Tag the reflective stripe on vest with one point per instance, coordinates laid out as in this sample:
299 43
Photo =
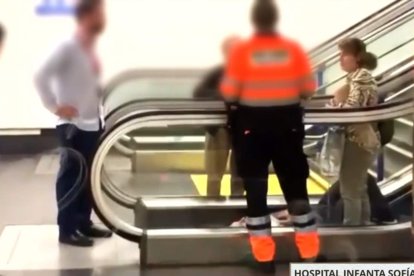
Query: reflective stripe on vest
259 226
264 93
304 223
230 88
269 103
308 81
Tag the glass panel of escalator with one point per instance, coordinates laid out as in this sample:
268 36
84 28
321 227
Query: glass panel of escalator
170 162
165 84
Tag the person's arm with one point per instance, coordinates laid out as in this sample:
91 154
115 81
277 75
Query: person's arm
208 87
231 83
340 96
48 70
306 79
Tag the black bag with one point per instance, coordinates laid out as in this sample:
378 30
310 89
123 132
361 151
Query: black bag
386 131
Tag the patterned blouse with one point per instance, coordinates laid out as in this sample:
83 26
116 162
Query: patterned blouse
363 92
362 89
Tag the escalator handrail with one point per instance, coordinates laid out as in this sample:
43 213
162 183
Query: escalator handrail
395 109
386 75
384 79
376 18
131 74
140 120
323 64
389 78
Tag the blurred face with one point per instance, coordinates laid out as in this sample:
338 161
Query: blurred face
229 44
349 62
96 20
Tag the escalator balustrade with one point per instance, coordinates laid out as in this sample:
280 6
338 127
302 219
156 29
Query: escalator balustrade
157 202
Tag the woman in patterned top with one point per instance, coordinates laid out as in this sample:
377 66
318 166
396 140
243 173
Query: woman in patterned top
362 140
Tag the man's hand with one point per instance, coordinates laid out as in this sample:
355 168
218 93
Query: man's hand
66 112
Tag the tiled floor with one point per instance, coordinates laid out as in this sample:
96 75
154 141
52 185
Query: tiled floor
28 243
36 248
33 250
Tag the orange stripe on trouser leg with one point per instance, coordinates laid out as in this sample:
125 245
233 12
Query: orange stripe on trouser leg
308 244
263 248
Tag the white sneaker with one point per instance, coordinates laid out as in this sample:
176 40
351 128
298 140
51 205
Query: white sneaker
239 223
275 222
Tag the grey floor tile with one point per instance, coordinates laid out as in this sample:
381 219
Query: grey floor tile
36 248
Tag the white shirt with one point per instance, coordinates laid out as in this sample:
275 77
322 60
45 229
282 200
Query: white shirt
67 77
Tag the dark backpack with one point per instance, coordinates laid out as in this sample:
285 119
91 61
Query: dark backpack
386 131
385 128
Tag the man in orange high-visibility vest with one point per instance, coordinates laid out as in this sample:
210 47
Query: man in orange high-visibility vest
266 78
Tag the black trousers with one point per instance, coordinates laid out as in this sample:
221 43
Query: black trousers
264 136
73 183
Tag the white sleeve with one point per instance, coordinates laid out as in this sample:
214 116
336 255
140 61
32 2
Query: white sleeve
49 69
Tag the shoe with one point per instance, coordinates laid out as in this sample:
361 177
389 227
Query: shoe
385 221
275 221
76 240
240 223
95 231
389 222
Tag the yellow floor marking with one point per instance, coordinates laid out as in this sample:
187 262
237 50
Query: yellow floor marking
316 185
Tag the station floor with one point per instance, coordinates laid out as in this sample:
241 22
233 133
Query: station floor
28 239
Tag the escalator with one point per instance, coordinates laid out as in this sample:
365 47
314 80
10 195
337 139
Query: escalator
395 84
163 223
148 177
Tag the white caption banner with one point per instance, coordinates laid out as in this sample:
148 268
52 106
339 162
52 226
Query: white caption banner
350 269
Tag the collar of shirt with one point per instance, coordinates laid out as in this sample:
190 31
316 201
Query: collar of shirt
352 75
266 34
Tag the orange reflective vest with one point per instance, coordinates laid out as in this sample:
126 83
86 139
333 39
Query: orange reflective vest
267 70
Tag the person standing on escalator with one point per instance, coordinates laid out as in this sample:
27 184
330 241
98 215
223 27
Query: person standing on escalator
266 78
218 142
68 85
362 140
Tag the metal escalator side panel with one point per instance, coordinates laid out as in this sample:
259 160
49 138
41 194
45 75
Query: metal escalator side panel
338 244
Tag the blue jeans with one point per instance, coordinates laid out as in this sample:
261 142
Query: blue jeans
73 183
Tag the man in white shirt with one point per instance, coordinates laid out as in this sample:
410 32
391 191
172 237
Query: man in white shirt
68 85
